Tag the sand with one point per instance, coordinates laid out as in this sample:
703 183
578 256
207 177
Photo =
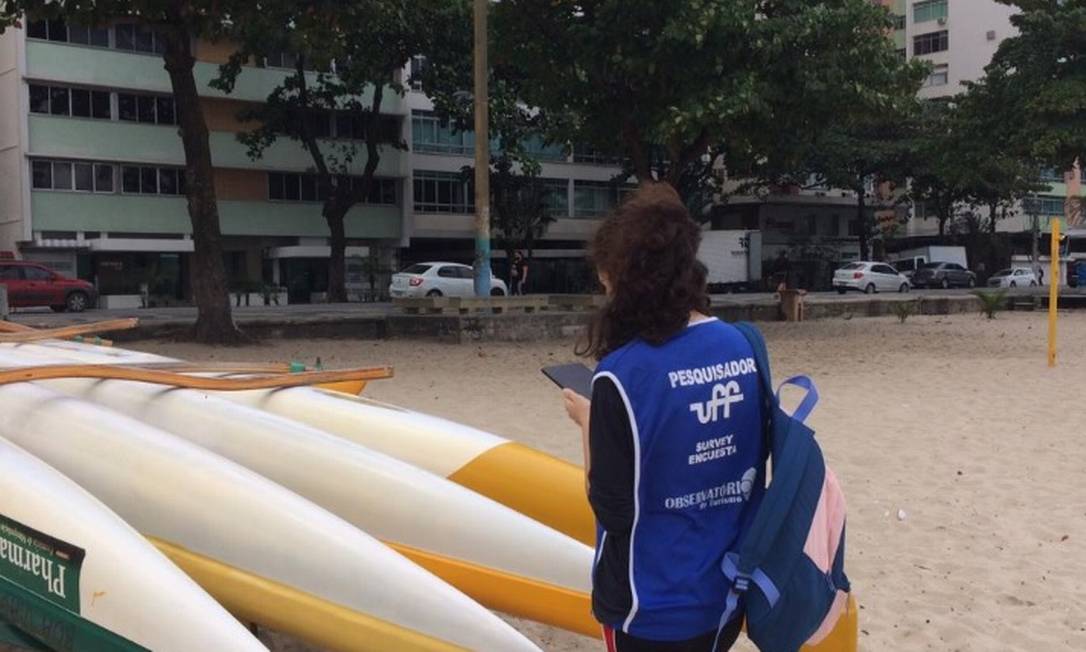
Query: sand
955 422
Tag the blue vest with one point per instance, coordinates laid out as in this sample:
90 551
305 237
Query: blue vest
695 411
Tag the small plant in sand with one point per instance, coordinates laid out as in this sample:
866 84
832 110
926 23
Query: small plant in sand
991 302
904 309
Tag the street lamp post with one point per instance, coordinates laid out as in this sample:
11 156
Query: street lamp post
482 155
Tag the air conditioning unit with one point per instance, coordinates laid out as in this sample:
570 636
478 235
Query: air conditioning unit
942 21
991 35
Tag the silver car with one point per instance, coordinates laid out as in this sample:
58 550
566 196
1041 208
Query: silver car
440 280
869 278
1012 278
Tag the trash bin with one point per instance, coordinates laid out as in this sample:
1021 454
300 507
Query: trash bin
792 304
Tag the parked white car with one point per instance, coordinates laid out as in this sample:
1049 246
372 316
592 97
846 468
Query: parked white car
869 277
1012 278
440 280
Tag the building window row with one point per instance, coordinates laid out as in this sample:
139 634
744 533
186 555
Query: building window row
86 103
1043 205
87 176
430 134
65 101
285 186
929 43
133 37
899 21
929 10
347 125
443 192
596 198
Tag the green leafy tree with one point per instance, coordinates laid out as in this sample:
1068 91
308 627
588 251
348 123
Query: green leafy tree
1040 78
178 23
668 85
347 58
518 201
996 177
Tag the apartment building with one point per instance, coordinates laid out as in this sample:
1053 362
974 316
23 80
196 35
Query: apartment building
959 38
92 179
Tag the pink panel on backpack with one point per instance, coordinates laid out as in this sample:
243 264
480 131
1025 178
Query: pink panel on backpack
827 525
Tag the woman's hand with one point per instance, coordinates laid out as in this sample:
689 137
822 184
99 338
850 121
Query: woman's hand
577 407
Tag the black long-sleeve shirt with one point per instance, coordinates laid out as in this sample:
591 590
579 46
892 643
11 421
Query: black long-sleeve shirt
611 495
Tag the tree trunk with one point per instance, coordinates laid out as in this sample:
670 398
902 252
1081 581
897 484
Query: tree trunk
334 215
992 209
214 322
861 221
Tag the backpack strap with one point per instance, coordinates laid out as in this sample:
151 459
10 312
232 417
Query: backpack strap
807 405
761 354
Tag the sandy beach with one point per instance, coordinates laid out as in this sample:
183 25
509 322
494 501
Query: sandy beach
962 457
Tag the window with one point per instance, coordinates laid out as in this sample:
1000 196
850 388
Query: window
448 272
939 76
42 174
535 146
928 43
96 36
10 273
431 135
587 154
594 198
137 38
148 109
1043 205
100 105
902 54
149 180
39 98
37 29
899 21
81 102
442 192
62 175
84 176
31 273
387 127
415 69
58 30
103 177
281 60
1051 174
556 199
306 187
928 10
58 101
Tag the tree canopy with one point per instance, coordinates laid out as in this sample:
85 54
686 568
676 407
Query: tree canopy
1040 76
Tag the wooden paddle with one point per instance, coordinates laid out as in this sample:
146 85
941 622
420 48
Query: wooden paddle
27 334
174 379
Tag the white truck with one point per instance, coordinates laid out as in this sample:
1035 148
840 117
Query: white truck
910 260
733 258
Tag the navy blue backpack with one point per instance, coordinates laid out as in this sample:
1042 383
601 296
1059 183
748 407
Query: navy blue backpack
787 573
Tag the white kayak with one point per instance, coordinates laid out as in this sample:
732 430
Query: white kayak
73 575
546 488
500 557
267 554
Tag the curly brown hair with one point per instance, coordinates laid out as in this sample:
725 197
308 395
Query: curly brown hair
647 248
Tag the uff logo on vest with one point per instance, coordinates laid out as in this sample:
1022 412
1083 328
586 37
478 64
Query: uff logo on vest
724 395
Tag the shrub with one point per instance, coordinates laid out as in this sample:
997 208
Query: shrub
991 302
904 309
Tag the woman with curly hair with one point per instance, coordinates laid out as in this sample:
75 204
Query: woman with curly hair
673 434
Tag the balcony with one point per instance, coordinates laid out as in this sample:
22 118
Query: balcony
61 62
106 140
81 211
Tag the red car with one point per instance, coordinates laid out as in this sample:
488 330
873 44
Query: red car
30 284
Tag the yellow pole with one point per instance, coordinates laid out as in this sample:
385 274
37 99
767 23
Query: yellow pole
1053 291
